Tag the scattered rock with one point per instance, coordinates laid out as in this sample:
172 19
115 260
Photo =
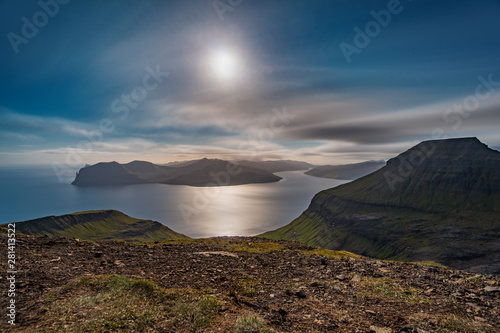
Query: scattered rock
490 289
356 279
338 294
375 329
220 253
301 293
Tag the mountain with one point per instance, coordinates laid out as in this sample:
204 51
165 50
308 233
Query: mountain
98 225
438 201
111 173
346 171
218 172
204 172
276 166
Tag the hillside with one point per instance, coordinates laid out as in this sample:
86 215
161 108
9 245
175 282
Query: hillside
346 171
98 225
201 174
276 166
239 285
204 172
437 201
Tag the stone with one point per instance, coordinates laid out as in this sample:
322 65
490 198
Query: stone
301 293
376 329
356 279
491 289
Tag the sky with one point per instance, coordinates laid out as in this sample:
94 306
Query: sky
323 81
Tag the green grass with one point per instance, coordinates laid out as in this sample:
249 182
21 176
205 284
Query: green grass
454 323
198 314
247 286
116 302
98 225
388 288
251 324
331 253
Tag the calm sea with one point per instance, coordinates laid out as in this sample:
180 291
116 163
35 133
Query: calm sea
244 210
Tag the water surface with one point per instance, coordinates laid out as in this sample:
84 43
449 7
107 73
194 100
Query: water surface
243 210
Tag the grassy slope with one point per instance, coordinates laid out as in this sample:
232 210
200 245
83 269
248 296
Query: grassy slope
98 225
427 217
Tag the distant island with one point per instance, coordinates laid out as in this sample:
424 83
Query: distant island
204 172
346 171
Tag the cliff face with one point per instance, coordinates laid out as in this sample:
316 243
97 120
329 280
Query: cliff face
111 173
438 201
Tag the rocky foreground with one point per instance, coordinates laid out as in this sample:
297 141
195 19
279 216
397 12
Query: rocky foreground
238 285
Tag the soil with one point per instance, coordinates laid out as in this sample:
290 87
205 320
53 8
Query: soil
292 291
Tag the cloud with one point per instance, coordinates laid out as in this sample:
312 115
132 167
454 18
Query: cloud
41 124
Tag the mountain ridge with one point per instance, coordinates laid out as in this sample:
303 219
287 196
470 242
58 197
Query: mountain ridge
98 225
204 172
441 207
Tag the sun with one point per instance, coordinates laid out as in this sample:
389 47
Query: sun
225 65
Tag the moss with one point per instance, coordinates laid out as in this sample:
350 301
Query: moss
388 288
247 286
111 302
251 324
331 253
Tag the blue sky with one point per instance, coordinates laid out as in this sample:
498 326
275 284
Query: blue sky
178 80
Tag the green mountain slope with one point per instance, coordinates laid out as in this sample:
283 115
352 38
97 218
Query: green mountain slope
438 201
98 225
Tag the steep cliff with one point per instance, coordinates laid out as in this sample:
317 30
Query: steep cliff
439 201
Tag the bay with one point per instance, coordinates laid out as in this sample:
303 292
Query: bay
243 210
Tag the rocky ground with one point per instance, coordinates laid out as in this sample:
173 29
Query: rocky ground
291 286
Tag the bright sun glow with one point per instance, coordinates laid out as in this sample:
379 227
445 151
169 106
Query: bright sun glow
225 65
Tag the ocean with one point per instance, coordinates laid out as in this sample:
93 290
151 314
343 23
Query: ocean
243 210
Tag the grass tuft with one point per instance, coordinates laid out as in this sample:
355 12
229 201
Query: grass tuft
116 302
251 324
